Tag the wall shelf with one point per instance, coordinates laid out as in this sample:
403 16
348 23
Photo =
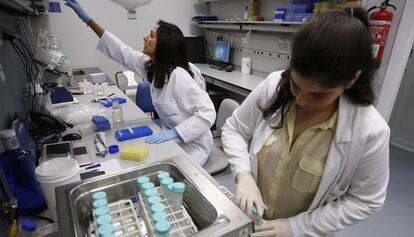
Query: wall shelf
20 7
269 26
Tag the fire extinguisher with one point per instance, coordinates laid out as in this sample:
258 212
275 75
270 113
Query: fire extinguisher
380 24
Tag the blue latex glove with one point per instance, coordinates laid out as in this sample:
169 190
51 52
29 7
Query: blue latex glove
78 10
162 136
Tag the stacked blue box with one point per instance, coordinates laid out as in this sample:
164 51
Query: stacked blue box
101 123
136 132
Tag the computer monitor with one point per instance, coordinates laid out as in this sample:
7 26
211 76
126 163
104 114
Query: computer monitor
222 51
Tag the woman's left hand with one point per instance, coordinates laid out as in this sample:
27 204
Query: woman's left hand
278 228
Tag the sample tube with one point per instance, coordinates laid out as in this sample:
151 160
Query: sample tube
163 175
162 228
142 180
103 220
176 195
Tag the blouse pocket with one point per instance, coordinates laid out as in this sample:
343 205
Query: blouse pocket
308 175
170 114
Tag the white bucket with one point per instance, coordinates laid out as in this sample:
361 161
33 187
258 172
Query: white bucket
54 173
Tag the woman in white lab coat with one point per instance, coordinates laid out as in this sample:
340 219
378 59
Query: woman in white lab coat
184 108
307 147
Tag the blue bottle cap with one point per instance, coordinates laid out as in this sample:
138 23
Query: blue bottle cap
153 200
98 195
29 225
99 203
106 229
170 187
163 227
101 211
113 149
148 185
178 187
163 175
102 220
165 182
150 192
159 216
157 207
142 180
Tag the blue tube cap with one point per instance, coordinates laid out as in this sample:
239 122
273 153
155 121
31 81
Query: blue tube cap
163 175
178 187
159 216
99 203
153 200
106 229
162 227
101 211
150 192
29 225
113 149
165 182
98 195
157 207
148 185
104 219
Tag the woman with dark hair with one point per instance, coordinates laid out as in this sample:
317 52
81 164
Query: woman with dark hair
307 147
184 107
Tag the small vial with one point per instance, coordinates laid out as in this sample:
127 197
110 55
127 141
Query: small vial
98 195
103 220
99 203
162 228
101 211
159 216
163 175
116 111
164 184
176 195
142 180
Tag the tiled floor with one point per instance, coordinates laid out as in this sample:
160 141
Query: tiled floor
397 217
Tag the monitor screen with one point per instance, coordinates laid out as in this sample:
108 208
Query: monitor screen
222 51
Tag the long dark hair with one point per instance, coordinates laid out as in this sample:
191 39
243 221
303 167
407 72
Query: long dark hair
331 49
170 52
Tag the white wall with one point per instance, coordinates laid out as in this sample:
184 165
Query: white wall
79 42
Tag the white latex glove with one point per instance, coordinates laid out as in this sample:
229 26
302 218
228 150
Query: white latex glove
275 228
248 194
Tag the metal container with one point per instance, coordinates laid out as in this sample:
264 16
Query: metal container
212 211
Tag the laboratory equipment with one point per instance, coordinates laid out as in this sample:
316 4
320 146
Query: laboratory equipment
101 211
131 133
103 220
162 176
159 216
99 195
142 180
206 210
163 228
18 167
165 184
99 203
147 186
113 149
117 115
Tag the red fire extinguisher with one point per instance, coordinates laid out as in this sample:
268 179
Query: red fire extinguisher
380 24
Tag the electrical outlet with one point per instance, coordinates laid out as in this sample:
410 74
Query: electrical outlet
244 40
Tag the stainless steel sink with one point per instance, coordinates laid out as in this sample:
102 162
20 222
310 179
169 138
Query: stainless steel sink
77 72
212 211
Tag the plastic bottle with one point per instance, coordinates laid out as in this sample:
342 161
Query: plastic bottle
27 228
142 180
116 111
246 13
164 186
176 195
98 195
18 167
163 175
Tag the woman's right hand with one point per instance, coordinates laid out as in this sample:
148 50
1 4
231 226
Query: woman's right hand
248 194
78 10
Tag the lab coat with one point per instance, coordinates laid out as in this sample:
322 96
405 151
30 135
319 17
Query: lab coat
181 103
355 178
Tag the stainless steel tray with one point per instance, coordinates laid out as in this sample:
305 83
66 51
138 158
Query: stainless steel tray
212 211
